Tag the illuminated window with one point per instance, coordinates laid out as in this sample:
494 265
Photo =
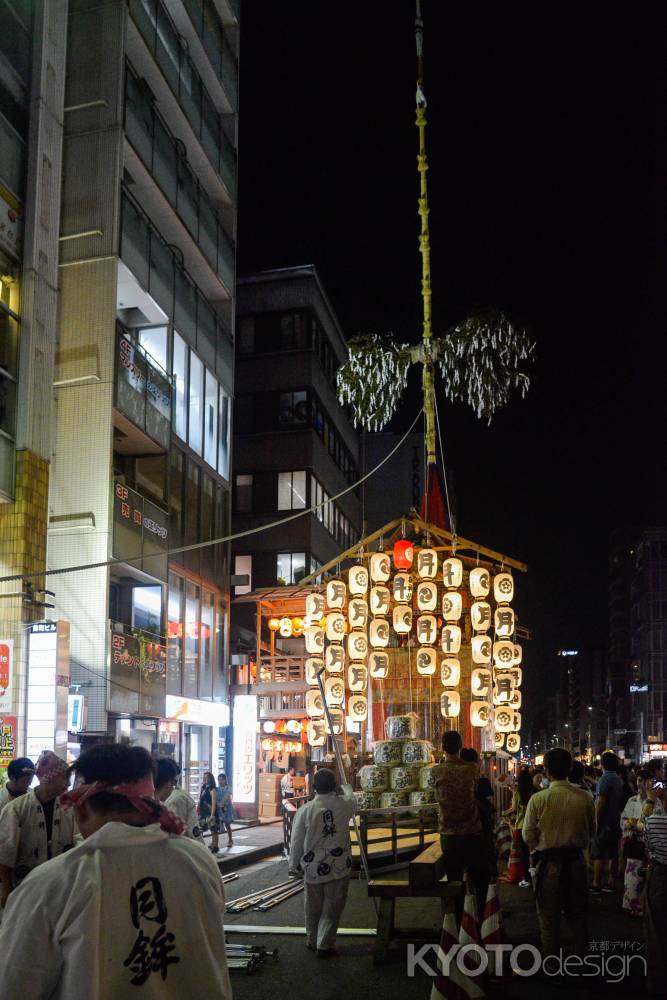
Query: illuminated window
291 490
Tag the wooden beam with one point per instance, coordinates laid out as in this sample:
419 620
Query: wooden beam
361 544
465 543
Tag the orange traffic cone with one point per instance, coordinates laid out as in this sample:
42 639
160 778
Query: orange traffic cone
516 869
454 985
493 931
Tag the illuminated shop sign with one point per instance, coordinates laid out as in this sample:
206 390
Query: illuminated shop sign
245 751
202 713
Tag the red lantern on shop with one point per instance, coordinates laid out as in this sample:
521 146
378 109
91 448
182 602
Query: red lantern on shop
403 554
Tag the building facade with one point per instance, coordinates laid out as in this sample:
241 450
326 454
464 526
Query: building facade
648 675
295 446
143 378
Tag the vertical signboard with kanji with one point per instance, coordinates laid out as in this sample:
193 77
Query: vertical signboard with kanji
7 739
6 674
244 725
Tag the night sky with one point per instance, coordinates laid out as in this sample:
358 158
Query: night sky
543 188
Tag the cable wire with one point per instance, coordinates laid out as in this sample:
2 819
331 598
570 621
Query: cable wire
215 541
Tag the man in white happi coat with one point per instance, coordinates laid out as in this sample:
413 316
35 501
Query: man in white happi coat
176 799
135 910
34 827
20 773
321 847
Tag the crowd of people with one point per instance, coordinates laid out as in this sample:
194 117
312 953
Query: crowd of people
575 831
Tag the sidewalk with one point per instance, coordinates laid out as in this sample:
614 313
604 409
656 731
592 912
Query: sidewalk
353 974
251 844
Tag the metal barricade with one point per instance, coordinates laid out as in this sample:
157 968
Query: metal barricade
289 810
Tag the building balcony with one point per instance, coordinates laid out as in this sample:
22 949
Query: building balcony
159 55
208 42
142 401
140 533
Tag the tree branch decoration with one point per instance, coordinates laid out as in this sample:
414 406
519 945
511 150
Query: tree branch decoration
480 360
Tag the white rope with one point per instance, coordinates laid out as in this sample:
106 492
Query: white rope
214 541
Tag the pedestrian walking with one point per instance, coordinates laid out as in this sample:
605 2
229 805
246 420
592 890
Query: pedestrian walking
322 849
20 773
523 792
461 831
34 827
207 810
655 897
633 846
557 827
225 807
604 849
175 799
130 911
287 784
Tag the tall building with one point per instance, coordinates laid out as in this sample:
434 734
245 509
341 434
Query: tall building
622 552
648 680
581 702
295 445
32 86
143 380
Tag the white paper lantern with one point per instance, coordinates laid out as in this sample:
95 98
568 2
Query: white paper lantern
503 653
314 639
450 671
357 580
480 713
504 622
517 674
503 689
503 588
427 564
357 677
314 703
334 658
518 654
427 630
357 612
502 719
450 704
450 639
480 581
513 743
499 740
378 665
336 626
357 707
380 600
402 618
452 605
402 588
427 660
336 594
481 648
357 646
515 700
334 690
516 722
480 616
312 667
316 733
427 596
452 572
337 721
380 567
285 627
315 606
379 633
480 682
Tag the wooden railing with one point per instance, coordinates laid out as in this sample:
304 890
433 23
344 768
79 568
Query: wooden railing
280 669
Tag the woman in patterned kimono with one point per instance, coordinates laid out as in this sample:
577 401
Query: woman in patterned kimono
633 846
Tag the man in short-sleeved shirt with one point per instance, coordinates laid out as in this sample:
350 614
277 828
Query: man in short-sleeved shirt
608 805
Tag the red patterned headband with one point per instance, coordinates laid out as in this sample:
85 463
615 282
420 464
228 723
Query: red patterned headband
139 794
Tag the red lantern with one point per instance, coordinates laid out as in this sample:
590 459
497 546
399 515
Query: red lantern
403 554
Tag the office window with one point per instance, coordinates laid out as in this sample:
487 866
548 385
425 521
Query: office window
191 650
293 409
175 634
147 609
243 494
180 369
196 403
207 644
224 430
211 420
153 339
291 490
243 567
290 567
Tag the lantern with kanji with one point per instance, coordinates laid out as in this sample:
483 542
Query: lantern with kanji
480 616
334 658
357 580
503 621
314 703
427 564
480 713
379 633
357 707
403 554
452 572
334 690
427 630
285 627
513 743
450 639
450 671
450 704
315 732
502 719
481 648
503 588
380 600
480 682
452 605
402 588
503 688
337 722
402 618
357 613
357 677
378 664
480 582
427 595
380 567
336 594
336 626
503 653
499 740
312 668
314 640
357 646
315 606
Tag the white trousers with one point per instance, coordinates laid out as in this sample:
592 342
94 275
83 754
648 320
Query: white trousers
324 903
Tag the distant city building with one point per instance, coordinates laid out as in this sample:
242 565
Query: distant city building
622 554
647 679
580 706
